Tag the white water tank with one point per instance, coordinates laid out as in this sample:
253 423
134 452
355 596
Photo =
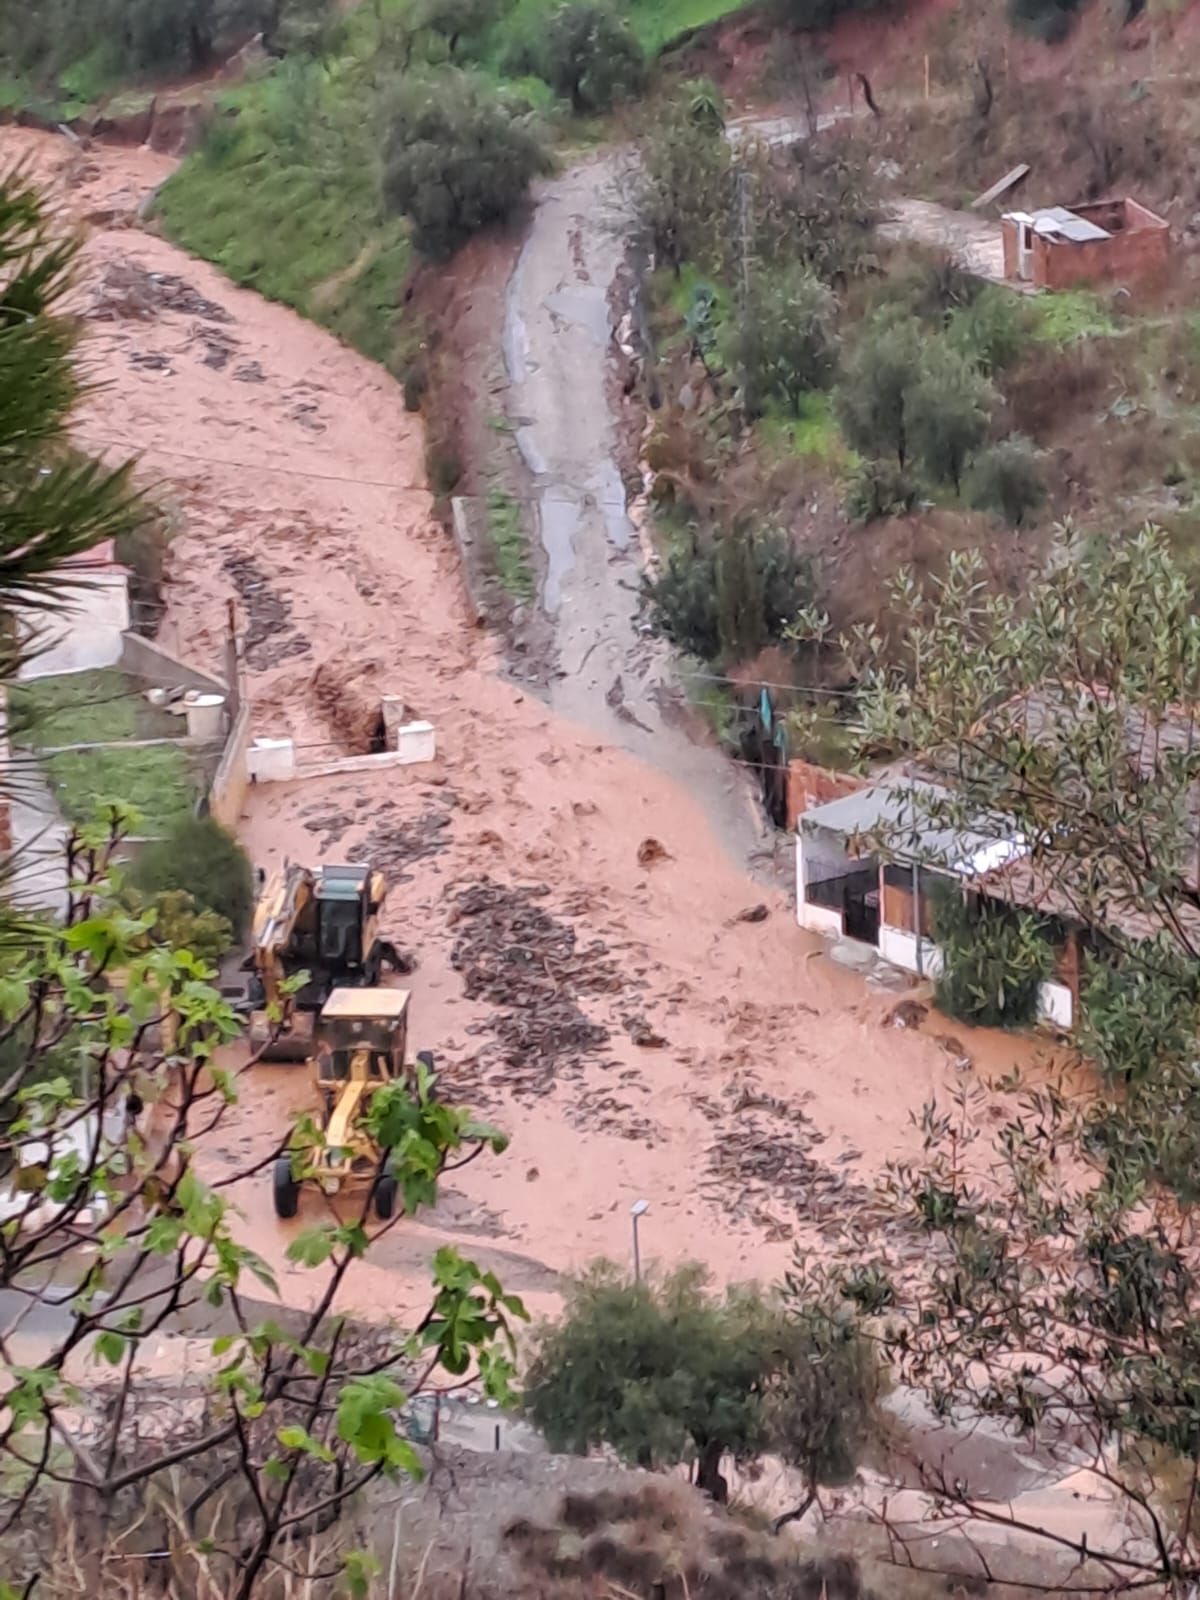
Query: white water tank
205 715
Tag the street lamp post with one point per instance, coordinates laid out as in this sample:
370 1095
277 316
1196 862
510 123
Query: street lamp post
637 1211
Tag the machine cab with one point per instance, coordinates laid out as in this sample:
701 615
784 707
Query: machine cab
361 1033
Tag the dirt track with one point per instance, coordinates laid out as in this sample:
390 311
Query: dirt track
298 487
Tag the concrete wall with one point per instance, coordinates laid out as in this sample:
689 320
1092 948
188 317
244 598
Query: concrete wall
818 919
1009 234
1056 1006
88 633
232 777
899 946
143 659
1133 253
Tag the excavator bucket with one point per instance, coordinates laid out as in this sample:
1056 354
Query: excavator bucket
292 1043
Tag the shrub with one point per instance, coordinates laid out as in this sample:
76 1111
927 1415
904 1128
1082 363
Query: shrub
682 602
879 489
591 57
785 342
996 959
731 597
200 858
455 20
143 551
1006 478
1138 1017
704 104
813 204
991 329
455 161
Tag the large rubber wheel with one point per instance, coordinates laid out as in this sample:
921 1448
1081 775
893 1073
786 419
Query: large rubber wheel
385 1195
287 1190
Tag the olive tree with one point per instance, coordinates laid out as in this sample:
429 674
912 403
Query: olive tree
664 1371
591 56
682 188
785 340
456 160
1067 715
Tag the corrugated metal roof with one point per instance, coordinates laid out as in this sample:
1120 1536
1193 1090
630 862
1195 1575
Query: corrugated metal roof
905 816
1057 220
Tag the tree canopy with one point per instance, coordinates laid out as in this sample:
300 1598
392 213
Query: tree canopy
456 159
591 56
664 1371
54 503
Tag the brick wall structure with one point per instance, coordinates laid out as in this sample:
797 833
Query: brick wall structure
810 785
1139 245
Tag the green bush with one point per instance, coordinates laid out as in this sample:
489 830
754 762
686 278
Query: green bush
456 20
591 57
991 329
1138 1017
1007 478
682 192
785 340
879 489
995 961
143 551
205 862
875 383
730 597
134 37
456 160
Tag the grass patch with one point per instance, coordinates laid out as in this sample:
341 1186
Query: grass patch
285 200
510 546
714 701
157 782
99 707
655 22
1073 314
811 432
106 707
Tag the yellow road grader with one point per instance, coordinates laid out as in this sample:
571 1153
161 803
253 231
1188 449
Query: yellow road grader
359 1045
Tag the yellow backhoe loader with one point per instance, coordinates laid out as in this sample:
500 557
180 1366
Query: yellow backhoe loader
359 1045
322 921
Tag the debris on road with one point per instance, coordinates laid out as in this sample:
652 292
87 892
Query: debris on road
268 639
128 293
514 953
651 851
396 844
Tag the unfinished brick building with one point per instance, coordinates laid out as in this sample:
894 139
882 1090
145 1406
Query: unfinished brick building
1056 247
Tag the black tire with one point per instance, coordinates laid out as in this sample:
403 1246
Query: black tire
385 1195
425 1057
287 1190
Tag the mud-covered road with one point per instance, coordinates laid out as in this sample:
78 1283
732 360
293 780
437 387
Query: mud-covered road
559 334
